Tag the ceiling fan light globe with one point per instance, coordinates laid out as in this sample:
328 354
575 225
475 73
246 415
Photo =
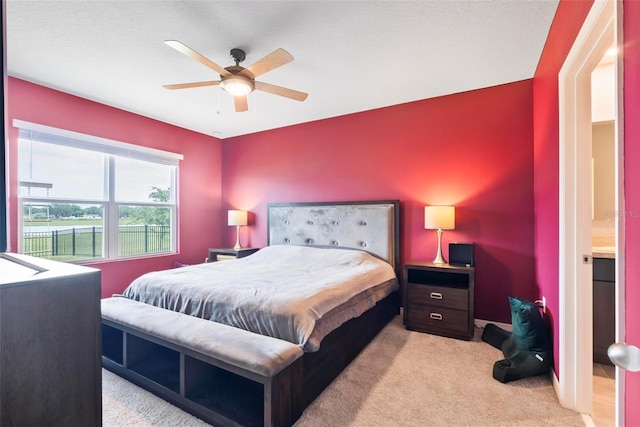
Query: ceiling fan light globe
237 85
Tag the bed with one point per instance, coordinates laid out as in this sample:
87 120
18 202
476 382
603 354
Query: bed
305 351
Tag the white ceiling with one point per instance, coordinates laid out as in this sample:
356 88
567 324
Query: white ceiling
350 56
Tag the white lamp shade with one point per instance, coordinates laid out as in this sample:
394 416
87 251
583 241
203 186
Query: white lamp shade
237 217
439 217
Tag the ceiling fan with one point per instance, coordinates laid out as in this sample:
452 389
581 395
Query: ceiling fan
237 80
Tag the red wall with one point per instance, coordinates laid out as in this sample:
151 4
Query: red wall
566 25
199 172
472 150
632 197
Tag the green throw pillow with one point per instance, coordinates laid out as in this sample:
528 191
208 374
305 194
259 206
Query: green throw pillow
529 331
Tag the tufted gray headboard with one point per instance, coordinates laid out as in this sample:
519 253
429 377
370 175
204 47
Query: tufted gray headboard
372 226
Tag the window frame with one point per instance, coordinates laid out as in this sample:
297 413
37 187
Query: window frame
111 207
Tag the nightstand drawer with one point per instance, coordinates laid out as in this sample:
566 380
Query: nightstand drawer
439 296
429 318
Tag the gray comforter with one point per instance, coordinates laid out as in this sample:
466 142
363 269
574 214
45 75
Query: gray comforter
281 291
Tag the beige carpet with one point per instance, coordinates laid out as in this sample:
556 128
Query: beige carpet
401 379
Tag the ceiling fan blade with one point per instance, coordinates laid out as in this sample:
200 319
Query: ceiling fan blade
190 85
281 91
182 48
273 60
241 103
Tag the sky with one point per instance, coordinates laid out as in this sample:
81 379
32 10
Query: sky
80 174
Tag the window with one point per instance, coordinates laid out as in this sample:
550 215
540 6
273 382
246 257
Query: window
83 197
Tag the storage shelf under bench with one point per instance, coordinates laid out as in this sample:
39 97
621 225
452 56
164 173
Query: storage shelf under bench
217 395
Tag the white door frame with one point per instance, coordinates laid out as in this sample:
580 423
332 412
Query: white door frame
598 33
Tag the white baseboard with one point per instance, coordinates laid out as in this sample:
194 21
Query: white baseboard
482 323
555 382
586 418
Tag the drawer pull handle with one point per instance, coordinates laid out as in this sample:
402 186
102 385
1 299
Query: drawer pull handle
435 295
435 316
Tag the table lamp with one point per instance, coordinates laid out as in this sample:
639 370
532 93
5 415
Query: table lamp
439 218
237 218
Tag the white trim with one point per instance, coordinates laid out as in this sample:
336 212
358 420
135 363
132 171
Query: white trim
21 124
575 369
620 297
586 418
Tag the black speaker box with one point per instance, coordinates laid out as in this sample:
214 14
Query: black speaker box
461 254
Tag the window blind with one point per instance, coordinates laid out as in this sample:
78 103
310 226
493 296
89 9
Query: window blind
51 135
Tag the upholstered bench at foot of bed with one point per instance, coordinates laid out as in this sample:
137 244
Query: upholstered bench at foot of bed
194 353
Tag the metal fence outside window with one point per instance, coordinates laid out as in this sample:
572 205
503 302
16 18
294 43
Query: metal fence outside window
86 242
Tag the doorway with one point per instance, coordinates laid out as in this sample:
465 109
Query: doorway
575 383
603 236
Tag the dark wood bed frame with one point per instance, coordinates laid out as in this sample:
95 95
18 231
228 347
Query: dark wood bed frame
341 346
319 368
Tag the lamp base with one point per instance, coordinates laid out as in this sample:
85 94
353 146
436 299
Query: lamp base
237 247
439 259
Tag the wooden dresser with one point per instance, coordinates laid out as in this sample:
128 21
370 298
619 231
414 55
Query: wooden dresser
50 343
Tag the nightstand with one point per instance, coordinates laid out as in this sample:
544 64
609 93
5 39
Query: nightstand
228 253
438 299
